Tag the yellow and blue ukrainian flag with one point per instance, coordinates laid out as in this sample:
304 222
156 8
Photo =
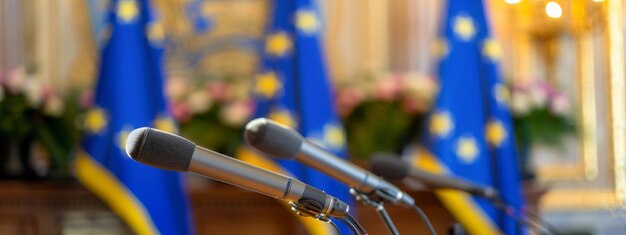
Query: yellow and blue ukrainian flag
470 130
292 88
129 94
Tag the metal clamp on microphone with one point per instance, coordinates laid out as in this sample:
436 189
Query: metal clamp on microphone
171 152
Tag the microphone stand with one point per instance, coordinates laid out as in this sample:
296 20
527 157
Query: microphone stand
380 208
311 209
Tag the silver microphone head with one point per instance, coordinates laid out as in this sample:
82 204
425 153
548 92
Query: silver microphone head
160 149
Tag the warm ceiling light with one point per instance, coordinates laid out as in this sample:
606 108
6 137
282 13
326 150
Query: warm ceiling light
512 1
554 10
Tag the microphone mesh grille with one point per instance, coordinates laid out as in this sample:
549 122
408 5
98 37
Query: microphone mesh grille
273 139
161 149
389 166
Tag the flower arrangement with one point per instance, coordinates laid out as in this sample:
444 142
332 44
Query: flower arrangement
211 112
384 113
541 113
38 131
541 116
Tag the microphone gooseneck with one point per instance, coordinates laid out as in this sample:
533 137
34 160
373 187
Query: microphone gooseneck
171 152
277 141
390 166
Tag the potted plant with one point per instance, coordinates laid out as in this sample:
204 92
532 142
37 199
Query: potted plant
384 113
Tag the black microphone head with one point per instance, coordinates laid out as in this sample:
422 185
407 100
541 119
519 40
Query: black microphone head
273 139
389 166
160 149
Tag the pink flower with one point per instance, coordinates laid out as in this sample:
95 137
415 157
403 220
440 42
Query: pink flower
544 86
86 99
180 111
217 90
413 105
347 99
47 91
559 104
388 88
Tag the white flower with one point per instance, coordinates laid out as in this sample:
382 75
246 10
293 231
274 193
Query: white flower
538 96
521 103
34 92
177 88
54 106
199 101
420 86
236 113
16 80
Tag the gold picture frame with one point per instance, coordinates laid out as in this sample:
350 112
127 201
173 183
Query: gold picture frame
577 185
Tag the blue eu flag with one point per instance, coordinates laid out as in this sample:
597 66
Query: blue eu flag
293 89
470 129
129 95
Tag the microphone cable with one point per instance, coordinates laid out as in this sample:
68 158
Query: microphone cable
354 225
425 219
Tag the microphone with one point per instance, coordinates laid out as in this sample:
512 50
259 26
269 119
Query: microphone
391 167
171 152
278 141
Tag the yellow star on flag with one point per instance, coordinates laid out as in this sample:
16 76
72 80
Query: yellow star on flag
495 133
267 84
501 93
165 123
278 44
334 136
441 124
127 10
464 27
467 149
95 120
156 33
492 49
282 117
307 22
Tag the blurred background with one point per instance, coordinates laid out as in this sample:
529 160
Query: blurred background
561 61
